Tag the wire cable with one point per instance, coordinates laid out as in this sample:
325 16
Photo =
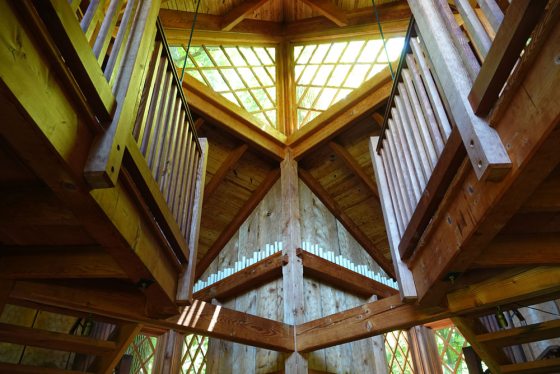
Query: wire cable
383 38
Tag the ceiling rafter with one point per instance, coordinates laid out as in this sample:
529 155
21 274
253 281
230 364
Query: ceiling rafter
237 221
239 13
346 221
353 165
329 10
224 169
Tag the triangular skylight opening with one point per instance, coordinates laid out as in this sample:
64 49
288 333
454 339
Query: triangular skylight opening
326 73
245 75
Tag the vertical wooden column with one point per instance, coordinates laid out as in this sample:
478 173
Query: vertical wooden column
423 346
285 83
292 272
168 359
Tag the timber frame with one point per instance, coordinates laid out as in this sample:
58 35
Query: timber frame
118 173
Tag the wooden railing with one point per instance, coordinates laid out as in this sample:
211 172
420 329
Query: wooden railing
429 122
119 64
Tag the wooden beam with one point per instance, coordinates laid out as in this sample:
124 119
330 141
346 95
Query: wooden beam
358 105
225 167
237 221
342 278
391 313
329 10
239 13
58 263
346 221
54 340
354 167
520 20
200 318
229 117
460 230
520 250
244 280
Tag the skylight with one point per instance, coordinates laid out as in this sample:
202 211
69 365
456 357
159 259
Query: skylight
246 76
326 73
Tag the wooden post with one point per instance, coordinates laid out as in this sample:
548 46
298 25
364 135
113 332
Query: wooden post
292 272
424 350
168 359
484 146
285 83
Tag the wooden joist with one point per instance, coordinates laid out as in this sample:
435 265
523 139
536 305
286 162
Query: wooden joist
239 13
237 221
342 278
346 221
329 10
244 280
224 168
353 165
58 263
54 340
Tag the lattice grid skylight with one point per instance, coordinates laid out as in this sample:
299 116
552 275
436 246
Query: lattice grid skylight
326 73
244 75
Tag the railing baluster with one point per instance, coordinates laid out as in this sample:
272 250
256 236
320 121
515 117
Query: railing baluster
397 196
459 39
478 34
403 182
408 119
106 32
119 46
433 93
425 105
493 13
176 157
177 201
163 134
420 119
158 120
192 192
187 190
90 17
155 74
169 148
403 141
414 151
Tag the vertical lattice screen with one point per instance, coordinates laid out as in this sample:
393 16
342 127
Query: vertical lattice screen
246 76
143 350
450 345
193 359
399 357
326 73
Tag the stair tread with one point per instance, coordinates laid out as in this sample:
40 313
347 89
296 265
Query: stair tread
523 334
28 369
54 340
539 366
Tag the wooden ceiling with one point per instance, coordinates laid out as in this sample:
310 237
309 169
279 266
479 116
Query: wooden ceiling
272 10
